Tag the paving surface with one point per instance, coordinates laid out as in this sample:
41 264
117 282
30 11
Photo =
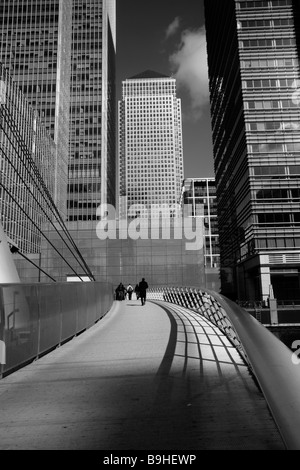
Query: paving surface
142 378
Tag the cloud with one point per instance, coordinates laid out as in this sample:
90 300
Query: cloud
189 67
173 27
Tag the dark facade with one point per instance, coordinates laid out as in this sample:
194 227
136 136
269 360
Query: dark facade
253 59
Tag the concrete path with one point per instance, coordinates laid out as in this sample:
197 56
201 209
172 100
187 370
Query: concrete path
142 378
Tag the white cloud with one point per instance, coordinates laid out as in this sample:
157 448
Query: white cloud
189 66
173 27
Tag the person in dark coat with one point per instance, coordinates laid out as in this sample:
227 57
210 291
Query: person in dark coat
120 292
136 290
143 286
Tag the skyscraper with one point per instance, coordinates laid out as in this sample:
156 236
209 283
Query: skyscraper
62 55
254 81
35 46
92 161
150 144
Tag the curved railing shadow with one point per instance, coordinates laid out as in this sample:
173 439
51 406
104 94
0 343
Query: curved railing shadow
273 364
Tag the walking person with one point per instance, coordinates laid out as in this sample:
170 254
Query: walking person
143 286
120 292
136 290
129 291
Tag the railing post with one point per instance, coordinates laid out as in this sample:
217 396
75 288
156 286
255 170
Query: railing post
273 311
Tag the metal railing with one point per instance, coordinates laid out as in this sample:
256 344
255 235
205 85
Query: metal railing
36 318
275 366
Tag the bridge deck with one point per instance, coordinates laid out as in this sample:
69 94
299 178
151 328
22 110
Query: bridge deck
150 378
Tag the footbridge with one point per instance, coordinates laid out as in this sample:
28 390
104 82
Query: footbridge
189 370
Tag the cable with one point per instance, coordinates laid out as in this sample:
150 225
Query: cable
52 206
14 249
39 177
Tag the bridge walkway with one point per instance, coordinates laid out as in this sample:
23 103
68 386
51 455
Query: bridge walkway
153 377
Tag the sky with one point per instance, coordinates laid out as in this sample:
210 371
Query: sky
168 36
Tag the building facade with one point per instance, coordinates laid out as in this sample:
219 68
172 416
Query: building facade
131 254
253 59
27 168
35 46
92 163
150 146
199 200
62 55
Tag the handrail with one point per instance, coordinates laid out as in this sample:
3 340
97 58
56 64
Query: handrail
270 360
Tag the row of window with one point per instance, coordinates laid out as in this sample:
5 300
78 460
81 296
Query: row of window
276 170
88 131
45 88
263 194
91 173
272 104
82 204
271 243
278 218
267 43
270 63
270 83
275 147
267 23
94 154
273 126
84 188
86 45
14 9
32 20
264 4
75 218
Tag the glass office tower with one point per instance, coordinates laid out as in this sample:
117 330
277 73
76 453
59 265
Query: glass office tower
253 59
93 109
27 166
62 55
35 46
150 144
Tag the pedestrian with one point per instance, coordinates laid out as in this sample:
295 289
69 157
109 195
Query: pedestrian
136 290
120 292
129 291
143 286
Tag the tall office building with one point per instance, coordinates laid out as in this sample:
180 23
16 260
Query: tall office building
254 81
92 164
62 55
35 46
150 145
